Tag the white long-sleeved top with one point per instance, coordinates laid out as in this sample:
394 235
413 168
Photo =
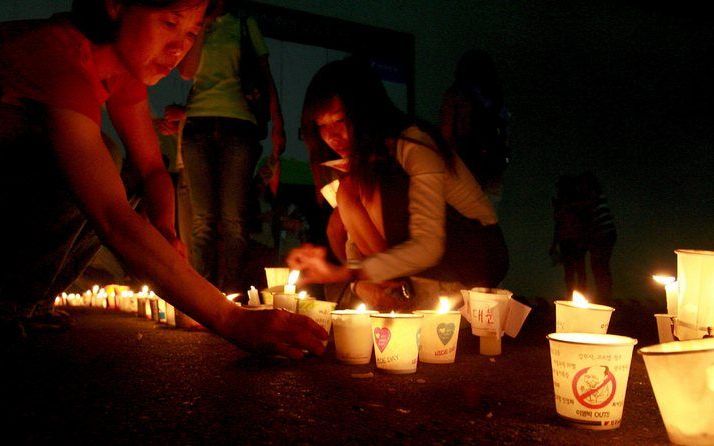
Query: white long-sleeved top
431 187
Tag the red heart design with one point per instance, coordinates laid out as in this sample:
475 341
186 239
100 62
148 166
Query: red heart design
382 337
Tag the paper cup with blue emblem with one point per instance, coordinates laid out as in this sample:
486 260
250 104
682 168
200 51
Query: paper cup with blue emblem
396 338
439 336
590 374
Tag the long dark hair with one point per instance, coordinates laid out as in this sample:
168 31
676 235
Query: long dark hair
373 116
91 16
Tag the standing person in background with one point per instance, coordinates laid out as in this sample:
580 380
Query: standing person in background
409 205
60 180
474 120
583 224
220 143
601 235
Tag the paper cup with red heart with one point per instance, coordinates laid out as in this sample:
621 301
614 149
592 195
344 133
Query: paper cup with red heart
396 338
439 336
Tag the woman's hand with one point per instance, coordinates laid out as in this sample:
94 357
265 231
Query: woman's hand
312 262
274 332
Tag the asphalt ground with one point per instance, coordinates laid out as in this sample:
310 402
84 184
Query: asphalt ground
117 379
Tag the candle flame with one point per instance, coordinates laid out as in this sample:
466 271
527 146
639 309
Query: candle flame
663 280
392 314
95 289
145 289
293 277
444 305
302 295
579 300
361 308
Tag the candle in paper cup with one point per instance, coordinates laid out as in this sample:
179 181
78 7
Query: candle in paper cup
290 301
162 310
353 335
489 310
317 310
396 339
682 377
170 315
695 275
665 327
269 294
293 277
276 276
590 373
439 333
580 316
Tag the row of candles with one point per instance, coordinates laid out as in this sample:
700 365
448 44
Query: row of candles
591 368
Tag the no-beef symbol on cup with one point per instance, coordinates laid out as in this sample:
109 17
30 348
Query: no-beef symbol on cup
594 387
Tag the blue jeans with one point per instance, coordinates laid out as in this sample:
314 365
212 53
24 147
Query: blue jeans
220 155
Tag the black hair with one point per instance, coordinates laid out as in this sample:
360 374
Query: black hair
92 18
373 116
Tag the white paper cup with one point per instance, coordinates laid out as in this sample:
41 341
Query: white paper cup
488 309
695 275
288 301
396 341
590 373
665 327
439 336
170 315
276 276
353 336
569 318
317 310
682 377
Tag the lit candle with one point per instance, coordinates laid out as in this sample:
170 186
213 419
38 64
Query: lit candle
580 316
353 335
253 298
396 339
289 287
439 333
671 288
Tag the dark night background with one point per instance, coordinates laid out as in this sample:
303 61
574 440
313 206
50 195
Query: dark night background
623 88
